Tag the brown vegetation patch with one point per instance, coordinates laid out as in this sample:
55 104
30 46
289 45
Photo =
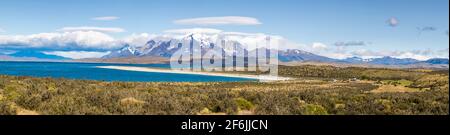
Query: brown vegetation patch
26 112
130 101
392 88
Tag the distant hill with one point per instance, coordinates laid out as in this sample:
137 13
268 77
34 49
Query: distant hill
128 60
36 55
381 61
395 61
299 55
392 61
9 58
437 61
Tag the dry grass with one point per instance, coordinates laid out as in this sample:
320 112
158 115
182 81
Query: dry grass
131 101
392 88
26 112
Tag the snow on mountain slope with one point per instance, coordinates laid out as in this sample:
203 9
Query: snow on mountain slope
239 45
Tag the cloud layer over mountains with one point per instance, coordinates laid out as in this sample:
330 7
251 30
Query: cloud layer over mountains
94 42
77 40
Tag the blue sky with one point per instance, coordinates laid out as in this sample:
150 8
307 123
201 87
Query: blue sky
360 25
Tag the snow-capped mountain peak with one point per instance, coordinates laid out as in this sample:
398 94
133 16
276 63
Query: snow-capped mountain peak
166 47
129 49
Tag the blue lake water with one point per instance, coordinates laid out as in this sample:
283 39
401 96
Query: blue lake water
88 71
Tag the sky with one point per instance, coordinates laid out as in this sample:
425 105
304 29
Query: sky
334 28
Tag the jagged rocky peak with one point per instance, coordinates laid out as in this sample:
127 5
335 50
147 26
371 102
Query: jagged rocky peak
166 47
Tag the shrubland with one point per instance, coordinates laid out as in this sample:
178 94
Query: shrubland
317 90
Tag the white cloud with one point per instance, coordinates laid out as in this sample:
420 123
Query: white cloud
351 43
72 40
86 28
194 31
250 40
106 18
77 54
253 41
393 22
444 52
368 53
336 55
327 51
414 54
225 20
77 41
319 46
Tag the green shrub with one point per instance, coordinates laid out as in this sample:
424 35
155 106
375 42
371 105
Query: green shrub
11 93
311 109
7 108
243 104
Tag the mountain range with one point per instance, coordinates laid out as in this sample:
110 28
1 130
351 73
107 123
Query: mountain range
165 48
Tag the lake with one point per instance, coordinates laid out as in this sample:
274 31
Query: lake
88 71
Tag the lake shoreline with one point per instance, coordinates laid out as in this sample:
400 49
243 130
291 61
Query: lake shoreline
264 78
